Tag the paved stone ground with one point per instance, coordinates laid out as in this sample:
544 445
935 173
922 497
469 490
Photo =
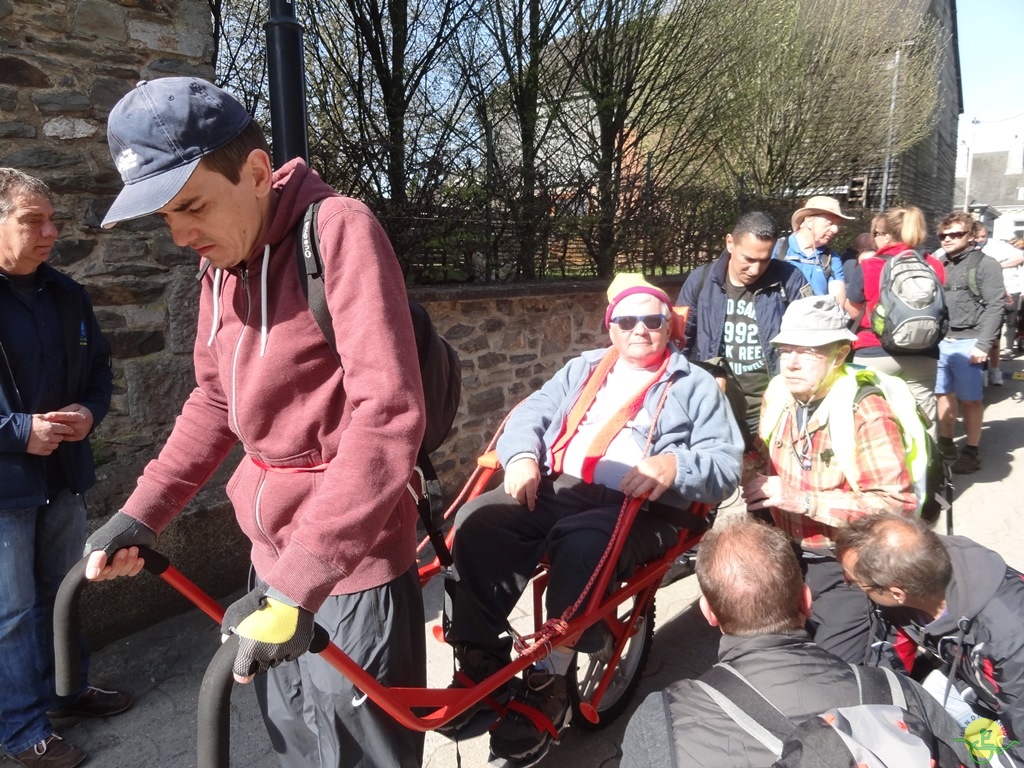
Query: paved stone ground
164 665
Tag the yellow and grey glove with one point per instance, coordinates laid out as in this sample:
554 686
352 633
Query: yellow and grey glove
271 629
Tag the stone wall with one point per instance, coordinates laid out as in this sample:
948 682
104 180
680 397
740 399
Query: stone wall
63 65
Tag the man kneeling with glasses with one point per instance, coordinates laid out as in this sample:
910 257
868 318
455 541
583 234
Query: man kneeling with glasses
632 420
808 493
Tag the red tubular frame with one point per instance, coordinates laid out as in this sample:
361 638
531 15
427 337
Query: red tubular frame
444 704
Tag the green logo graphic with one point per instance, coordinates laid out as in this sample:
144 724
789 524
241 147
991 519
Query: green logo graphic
985 740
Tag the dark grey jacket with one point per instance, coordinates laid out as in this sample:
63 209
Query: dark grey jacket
682 727
976 297
981 633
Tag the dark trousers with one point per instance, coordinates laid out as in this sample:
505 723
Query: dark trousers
317 718
499 542
840 615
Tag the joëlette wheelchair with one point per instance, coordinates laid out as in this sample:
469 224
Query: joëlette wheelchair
601 684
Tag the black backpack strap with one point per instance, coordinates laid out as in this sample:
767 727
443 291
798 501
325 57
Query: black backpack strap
867 389
745 705
431 508
879 685
311 274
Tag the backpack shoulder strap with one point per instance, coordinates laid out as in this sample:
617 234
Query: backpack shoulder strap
311 274
845 394
701 273
745 705
972 273
879 685
775 399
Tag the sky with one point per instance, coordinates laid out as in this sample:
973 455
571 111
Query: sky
991 41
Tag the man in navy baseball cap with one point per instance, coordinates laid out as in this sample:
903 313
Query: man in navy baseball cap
332 535
159 132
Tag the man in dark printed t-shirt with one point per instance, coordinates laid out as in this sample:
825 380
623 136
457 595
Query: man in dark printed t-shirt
736 304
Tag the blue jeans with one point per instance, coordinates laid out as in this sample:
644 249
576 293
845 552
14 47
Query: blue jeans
38 546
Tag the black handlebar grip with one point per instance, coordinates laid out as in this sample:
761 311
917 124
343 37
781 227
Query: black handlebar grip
320 639
214 745
67 625
66 631
155 563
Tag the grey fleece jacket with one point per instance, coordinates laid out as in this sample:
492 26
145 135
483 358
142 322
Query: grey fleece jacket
696 425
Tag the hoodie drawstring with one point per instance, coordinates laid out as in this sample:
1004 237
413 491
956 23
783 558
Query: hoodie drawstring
263 299
217 276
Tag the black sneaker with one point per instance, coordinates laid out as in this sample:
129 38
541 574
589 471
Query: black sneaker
51 752
516 737
474 665
966 464
95 702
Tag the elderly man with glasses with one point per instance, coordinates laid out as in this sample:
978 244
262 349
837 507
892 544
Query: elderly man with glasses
807 490
632 420
809 248
975 295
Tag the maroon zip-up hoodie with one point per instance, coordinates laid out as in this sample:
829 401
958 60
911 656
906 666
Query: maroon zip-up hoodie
321 492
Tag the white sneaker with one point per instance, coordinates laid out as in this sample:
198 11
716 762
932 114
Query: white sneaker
995 377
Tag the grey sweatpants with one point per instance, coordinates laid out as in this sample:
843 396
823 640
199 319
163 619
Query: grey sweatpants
316 718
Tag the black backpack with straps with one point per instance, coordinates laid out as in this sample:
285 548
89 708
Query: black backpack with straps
439 366
879 731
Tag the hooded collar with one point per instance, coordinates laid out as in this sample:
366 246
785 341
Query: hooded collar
978 573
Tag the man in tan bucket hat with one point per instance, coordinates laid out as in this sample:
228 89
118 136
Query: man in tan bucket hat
809 247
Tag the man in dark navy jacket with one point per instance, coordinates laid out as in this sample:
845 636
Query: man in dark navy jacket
55 386
736 305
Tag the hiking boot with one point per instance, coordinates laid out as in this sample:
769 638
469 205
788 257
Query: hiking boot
51 752
476 665
966 463
95 702
947 450
516 737
995 377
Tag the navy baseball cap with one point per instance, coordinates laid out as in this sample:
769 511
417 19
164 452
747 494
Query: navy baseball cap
158 132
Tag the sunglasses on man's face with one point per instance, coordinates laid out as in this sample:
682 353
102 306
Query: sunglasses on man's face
650 322
951 235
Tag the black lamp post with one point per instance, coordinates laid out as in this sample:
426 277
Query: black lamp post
287 83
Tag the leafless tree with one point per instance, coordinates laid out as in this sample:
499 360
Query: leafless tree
647 117
820 95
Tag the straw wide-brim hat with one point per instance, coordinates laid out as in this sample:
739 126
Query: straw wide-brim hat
819 205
